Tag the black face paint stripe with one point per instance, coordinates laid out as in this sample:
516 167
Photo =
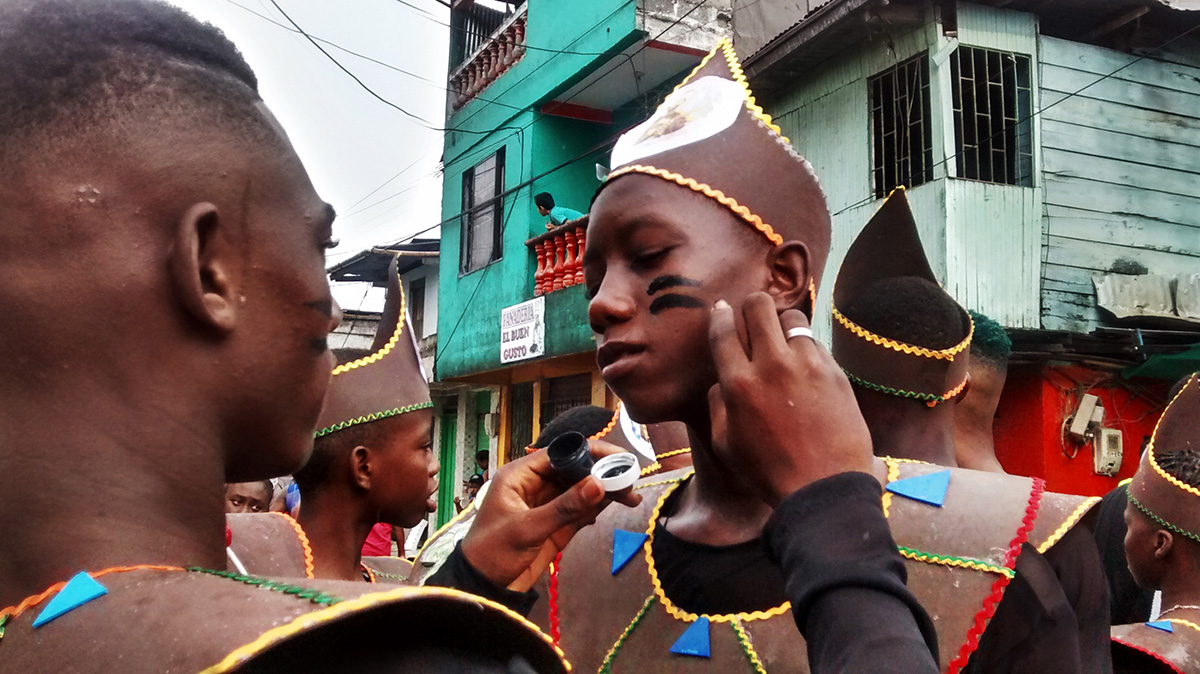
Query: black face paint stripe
673 301
664 282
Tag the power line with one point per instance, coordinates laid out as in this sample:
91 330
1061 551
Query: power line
420 120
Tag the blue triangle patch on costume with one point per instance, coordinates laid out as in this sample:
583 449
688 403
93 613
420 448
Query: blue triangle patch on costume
1164 625
78 591
625 546
929 488
694 640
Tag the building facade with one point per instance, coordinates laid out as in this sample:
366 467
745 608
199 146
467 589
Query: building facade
1049 151
540 90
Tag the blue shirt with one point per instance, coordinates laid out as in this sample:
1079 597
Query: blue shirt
561 214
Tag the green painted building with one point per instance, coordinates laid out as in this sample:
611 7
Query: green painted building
539 92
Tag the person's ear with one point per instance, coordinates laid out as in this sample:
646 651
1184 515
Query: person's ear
360 467
789 281
201 267
1164 541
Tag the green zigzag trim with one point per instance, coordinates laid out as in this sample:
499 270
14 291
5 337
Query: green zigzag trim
300 592
960 562
893 391
1160 521
374 416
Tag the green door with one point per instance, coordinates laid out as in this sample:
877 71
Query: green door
447 484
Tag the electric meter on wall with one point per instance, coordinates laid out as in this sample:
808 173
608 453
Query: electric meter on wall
1107 451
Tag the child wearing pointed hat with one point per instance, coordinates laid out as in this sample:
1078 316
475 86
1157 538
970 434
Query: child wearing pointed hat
709 206
905 345
373 458
1163 542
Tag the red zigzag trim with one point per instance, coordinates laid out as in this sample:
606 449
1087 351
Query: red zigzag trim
553 599
1152 654
1010 562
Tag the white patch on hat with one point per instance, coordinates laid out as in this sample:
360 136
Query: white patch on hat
702 109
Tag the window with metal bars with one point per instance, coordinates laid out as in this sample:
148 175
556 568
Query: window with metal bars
901 137
993 129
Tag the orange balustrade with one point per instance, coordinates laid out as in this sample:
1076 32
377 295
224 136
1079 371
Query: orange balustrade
559 256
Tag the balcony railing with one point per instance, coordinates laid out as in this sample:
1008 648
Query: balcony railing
559 255
491 54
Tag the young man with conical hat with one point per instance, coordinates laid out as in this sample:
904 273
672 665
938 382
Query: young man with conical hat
904 343
166 314
1163 542
372 461
707 202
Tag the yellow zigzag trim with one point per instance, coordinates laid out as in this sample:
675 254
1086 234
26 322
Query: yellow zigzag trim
391 343
893 472
611 423
656 465
1154 462
748 647
278 634
735 69
691 183
1186 623
1067 524
674 611
960 562
943 354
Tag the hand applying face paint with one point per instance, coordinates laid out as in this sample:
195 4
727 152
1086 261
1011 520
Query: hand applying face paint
783 412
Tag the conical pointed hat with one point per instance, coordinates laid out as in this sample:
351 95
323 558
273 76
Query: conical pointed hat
389 381
1172 503
890 247
711 136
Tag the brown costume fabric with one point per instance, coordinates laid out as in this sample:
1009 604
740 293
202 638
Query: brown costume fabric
746 166
389 381
267 544
1143 649
386 628
596 607
890 247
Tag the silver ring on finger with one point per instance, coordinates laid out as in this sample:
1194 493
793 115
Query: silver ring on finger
799 331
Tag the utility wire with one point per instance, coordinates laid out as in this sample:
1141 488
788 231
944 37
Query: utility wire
423 122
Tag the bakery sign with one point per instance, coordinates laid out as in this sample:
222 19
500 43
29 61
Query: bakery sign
523 330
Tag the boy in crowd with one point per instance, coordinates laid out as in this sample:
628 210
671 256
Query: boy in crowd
373 459
1163 542
557 216
249 497
903 342
681 228
166 320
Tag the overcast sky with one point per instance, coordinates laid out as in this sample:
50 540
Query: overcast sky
351 143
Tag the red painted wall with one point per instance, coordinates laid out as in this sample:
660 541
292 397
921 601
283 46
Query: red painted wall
1029 431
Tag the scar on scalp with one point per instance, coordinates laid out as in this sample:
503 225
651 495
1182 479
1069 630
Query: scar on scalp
673 301
670 281
324 306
